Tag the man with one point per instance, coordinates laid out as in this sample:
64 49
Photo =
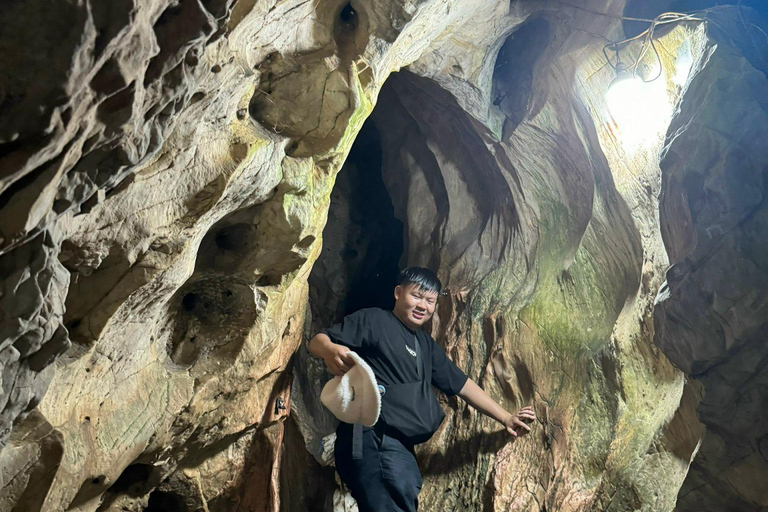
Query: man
404 360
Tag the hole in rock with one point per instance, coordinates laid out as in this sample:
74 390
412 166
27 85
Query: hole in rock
161 501
269 280
348 14
131 480
350 32
191 59
234 238
212 319
189 301
239 244
513 71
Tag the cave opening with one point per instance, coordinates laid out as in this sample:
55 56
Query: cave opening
132 480
162 501
362 240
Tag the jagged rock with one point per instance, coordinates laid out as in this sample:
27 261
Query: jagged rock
712 316
167 171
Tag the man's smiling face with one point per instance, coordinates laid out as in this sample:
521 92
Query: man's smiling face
414 305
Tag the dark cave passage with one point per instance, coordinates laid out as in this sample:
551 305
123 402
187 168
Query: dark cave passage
362 240
414 165
160 501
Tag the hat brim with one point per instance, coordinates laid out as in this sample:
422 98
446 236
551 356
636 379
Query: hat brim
354 397
370 389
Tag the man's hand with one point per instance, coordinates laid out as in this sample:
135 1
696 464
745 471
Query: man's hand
515 423
479 399
337 360
334 355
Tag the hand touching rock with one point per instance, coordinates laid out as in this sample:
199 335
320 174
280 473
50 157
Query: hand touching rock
516 423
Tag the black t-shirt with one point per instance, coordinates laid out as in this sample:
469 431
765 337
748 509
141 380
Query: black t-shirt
388 346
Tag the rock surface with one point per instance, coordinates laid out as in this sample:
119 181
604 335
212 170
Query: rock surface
172 172
712 315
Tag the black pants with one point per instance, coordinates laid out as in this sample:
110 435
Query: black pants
386 479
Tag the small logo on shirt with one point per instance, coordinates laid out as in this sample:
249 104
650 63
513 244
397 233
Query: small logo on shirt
410 351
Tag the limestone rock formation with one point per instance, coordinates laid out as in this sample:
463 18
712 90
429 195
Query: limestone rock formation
190 188
712 316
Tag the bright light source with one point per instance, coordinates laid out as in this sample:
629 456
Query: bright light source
625 97
639 109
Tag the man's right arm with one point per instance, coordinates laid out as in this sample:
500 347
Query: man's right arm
334 355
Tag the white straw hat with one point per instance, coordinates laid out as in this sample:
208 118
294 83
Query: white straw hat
354 397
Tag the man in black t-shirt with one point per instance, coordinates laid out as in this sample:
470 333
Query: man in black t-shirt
384 475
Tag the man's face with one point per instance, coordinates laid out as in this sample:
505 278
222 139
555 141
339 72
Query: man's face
414 305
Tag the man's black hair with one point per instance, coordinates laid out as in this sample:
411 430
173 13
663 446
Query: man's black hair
423 277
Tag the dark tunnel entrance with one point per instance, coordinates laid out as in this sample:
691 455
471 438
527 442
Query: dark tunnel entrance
362 240
419 187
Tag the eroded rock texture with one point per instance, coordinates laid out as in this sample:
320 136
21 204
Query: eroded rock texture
167 171
712 316
549 266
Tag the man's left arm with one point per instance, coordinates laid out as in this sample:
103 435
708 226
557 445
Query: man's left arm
449 379
475 396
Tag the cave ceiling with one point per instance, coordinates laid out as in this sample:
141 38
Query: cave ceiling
190 189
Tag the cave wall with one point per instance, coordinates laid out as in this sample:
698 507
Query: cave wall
712 313
161 299
166 169
547 237
536 293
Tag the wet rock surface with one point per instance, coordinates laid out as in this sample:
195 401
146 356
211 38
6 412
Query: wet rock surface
172 172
